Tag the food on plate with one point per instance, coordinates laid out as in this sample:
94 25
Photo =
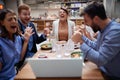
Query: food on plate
46 46
76 54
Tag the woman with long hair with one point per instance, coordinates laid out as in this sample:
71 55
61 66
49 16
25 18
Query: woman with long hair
12 44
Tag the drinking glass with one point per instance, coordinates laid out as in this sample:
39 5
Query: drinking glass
69 47
58 50
52 40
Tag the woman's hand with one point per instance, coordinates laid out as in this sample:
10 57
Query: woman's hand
28 32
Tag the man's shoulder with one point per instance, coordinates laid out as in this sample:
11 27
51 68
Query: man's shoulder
115 25
31 23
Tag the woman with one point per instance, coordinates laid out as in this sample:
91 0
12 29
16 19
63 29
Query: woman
63 28
12 49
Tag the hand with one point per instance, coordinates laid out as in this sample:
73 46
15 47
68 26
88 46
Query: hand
77 37
28 32
46 31
95 35
83 27
84 31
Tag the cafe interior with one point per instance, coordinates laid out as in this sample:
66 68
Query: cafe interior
57 59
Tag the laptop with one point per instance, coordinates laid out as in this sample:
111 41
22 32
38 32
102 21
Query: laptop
56 67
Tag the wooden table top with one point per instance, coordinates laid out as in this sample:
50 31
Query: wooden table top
90 72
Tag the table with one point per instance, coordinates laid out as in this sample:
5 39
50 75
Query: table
90 72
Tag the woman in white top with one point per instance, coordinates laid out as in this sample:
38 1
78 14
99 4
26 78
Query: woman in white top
63 28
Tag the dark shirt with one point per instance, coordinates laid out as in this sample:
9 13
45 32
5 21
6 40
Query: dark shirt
34 39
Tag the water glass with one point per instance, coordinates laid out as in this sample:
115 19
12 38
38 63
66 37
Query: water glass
58 50
69 47
53 42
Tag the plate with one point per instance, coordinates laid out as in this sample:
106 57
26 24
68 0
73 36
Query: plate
42 56
76 54
46 46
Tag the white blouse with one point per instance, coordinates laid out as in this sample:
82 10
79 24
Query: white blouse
71 26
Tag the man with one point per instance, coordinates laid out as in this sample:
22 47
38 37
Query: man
24 21
105 51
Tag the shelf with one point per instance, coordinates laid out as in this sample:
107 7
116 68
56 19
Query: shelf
73 2
74 8
46 8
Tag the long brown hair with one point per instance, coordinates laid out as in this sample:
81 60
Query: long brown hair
3 31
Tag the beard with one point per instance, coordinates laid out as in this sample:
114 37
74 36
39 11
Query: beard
95 27
24 21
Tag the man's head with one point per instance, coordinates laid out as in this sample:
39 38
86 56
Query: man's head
94 13
24 13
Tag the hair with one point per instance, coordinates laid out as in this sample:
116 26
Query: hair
3 31
65 9
23 7
95 9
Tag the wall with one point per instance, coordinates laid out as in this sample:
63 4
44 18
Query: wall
37 13
117 9
11 4
51 8
112 8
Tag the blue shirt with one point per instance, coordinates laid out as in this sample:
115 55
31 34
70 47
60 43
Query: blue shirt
105 51
9 56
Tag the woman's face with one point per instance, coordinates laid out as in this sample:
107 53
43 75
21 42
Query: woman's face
63 15
10 23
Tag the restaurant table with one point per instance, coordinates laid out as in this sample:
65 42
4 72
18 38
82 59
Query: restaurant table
90 72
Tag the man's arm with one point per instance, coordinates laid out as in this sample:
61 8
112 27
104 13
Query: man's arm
109 49
79 37
89 42
38 39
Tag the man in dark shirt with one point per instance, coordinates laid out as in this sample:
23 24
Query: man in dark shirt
24 21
